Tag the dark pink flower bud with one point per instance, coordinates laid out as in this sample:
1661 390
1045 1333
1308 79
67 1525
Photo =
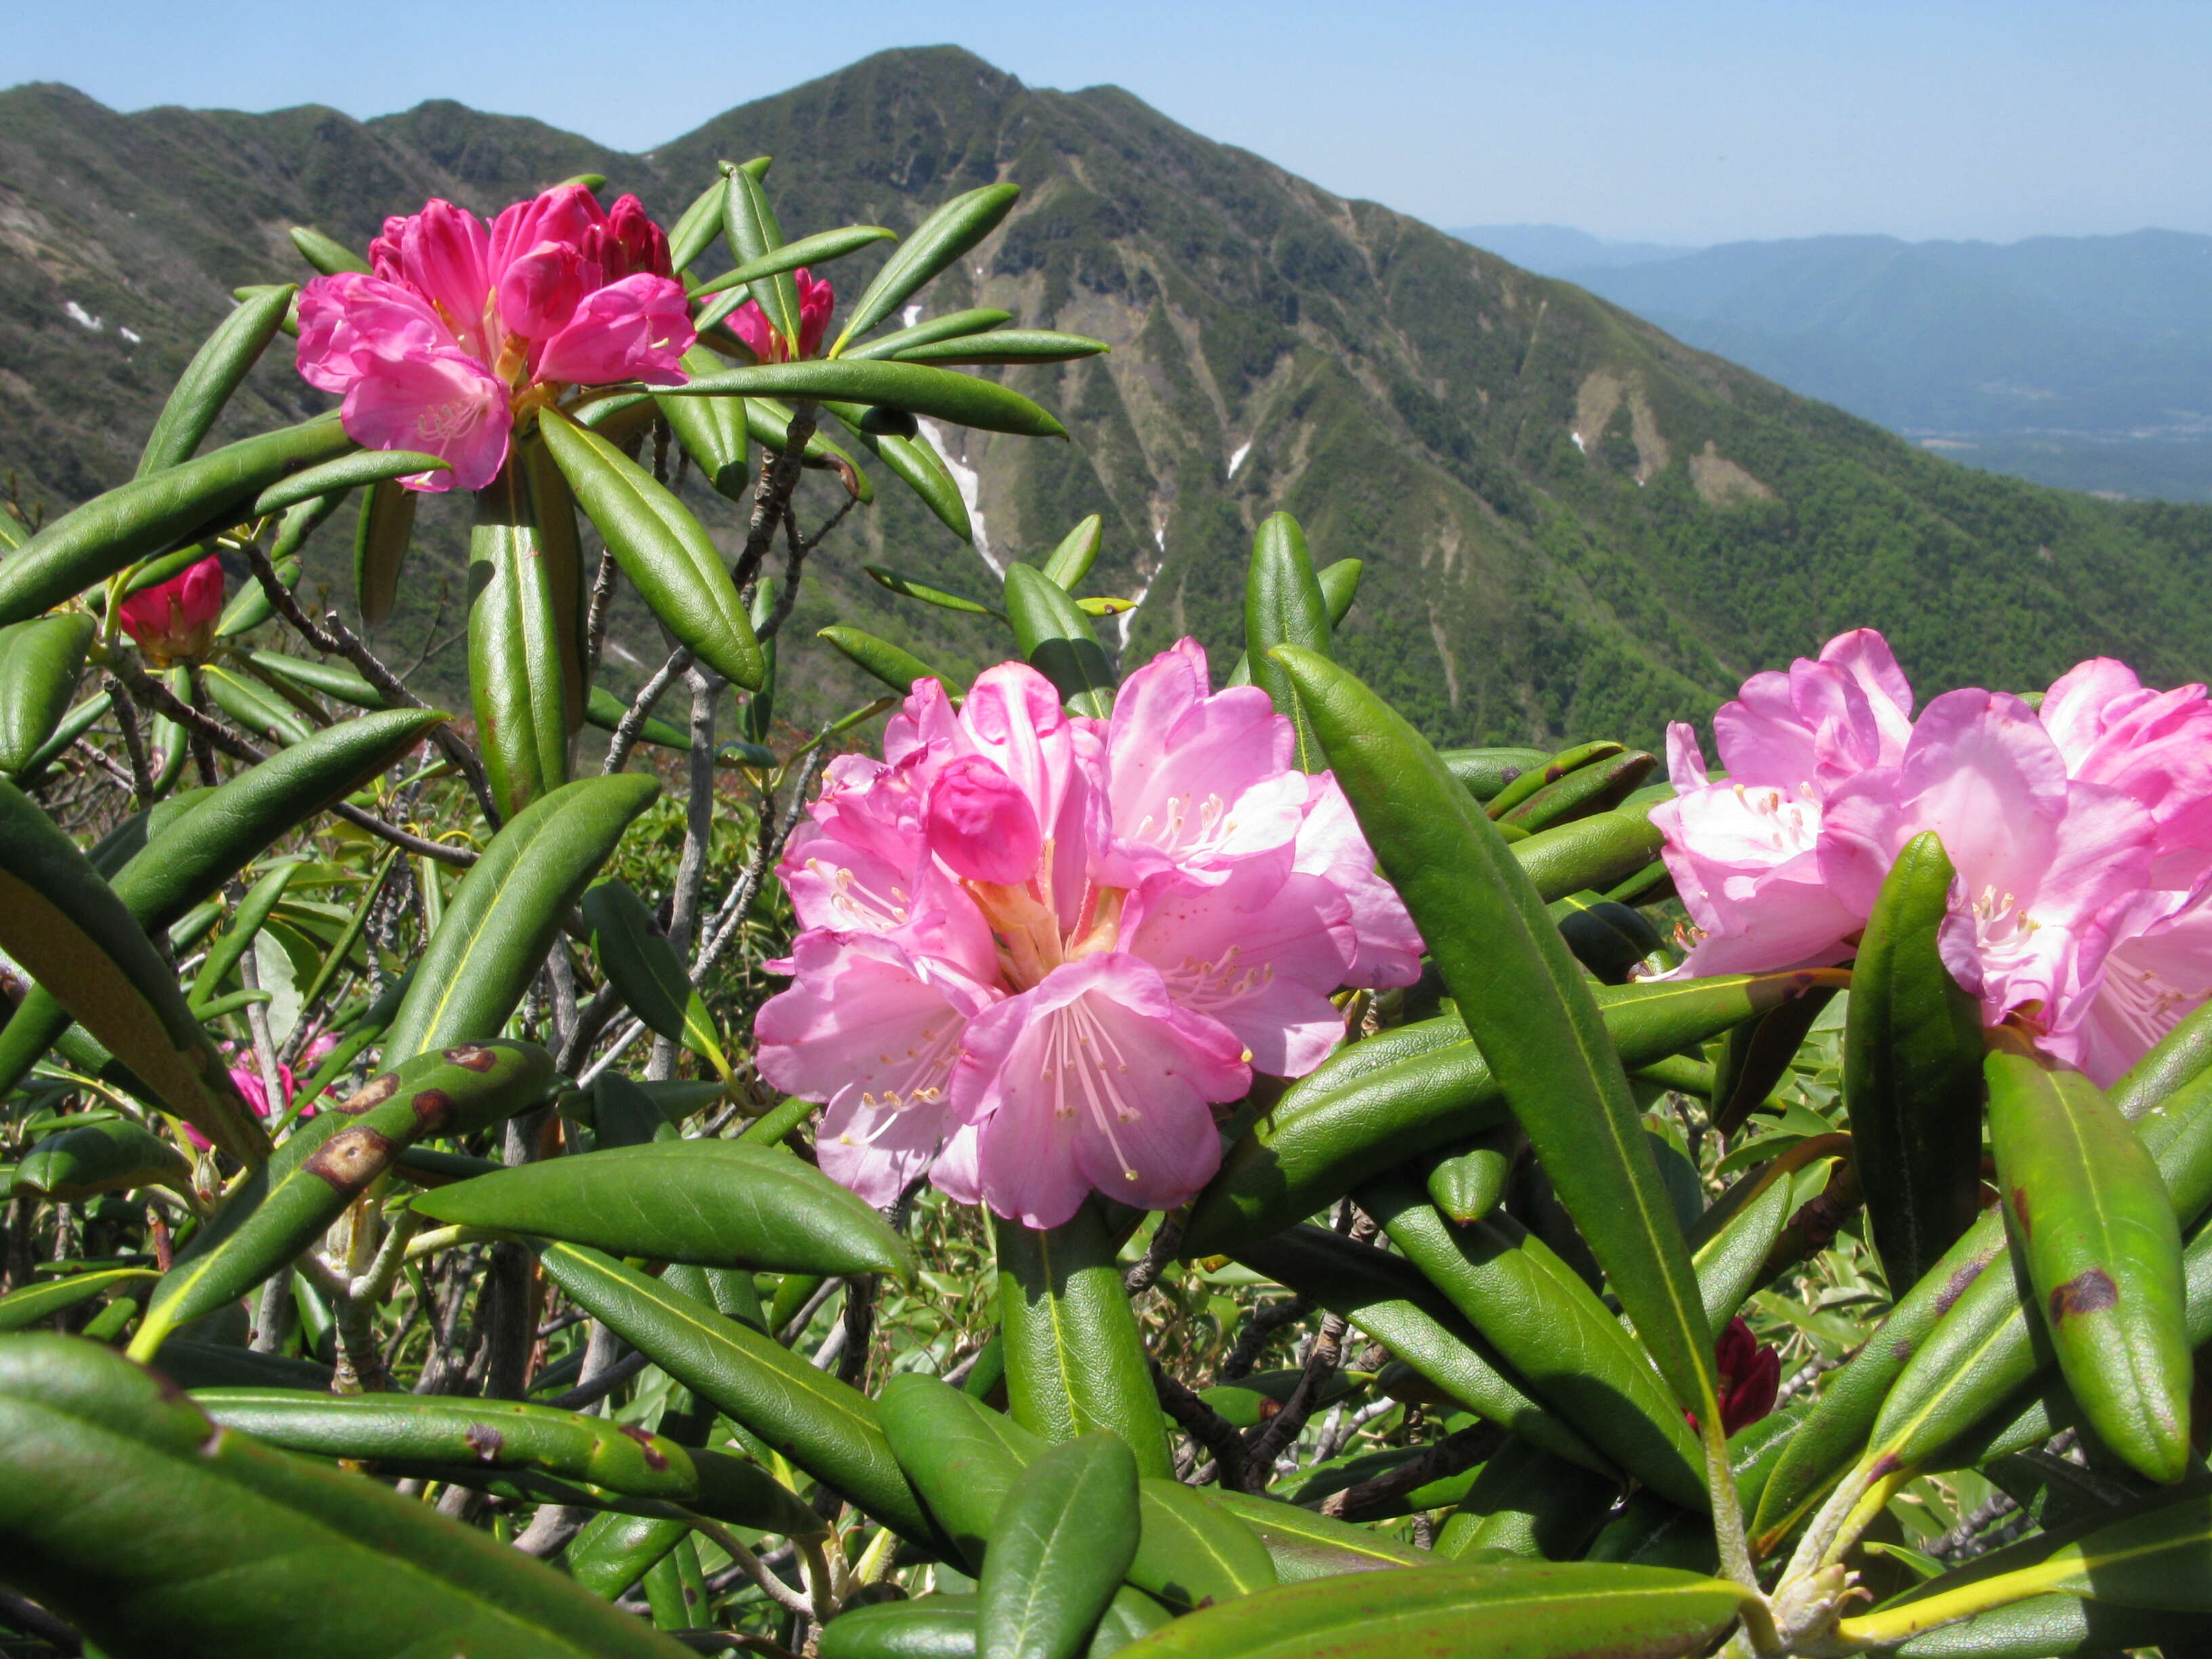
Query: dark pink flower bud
174 621
1750 1376
644 248
981 825
817 299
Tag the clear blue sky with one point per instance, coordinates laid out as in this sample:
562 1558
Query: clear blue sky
1690 122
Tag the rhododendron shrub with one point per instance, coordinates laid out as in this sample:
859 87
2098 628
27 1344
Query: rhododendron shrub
685 1186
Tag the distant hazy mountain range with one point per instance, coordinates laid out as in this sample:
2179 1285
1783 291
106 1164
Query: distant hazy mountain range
2080 360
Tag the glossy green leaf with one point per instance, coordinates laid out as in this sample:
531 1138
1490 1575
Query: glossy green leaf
546 503
1554 768
1526 1502
830 1430
819 249
337 477
1075 1363
1070 562
260 713
916 465
936 242
515 670
604 709
326 254
40 663
1486 771
187 859
333 680
83 948
2056 1627
126 1511
1609 940
711 430
502 918
1056 639
216 371
718 1203
43 1300
769 423
749 224
1421 1088
150 514
381 536
1732 1242
1553 1331
1006 345
1597 787
1594 852
330 1160
1303 1545
1064 1535
645 970
1194 1550
1388 1299
661 548
113 1155
694 231
1912 1072
80 720
1282 604
945 598
952 325
1572 1611
1466 1186
895 667
2089 1215
963 399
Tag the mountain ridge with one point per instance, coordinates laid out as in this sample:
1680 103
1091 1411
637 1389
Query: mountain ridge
1573 523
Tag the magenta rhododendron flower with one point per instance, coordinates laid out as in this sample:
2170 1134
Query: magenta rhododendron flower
2080 835
174 621
248 1080
463 325
1038 947
1750 1376
817 299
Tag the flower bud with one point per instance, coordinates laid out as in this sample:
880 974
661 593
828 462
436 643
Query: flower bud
174 621
981 825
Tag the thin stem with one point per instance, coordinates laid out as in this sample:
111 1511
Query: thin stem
134 743
641 709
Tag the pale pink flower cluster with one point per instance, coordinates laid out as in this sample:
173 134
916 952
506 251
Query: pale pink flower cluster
1038 946
464 325
2080 834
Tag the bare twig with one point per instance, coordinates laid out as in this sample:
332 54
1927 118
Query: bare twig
602 603
1205 1425
1372 1498
1167 1239
641 709
134 744
1259 1329
772 497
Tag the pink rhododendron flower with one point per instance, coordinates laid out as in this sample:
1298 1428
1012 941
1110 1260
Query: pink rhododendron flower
817 299
248 1080
1038 948
2080 834
174 621
463 325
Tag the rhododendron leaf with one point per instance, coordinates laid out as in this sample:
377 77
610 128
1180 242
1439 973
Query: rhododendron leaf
895 667
661 548
914 462
366 466
961 1455
1731 1242
1591 853
1057 640
1071 562
1282 604
1422 1087
605 710
115 1156
40 663
131 1516
1304 1545
552 509
516 679
646 972
1340 584
262 714
817 249
1486 771
1062 1538
151 515
1467 1185
2054 1624
918 388
381 536
936 242
2091 1217
330 1160
770 423
953 324
749 224
711 429
44 1300
326 254
1075 1362
1010 345
1912 1072
714 1203
1757 1056
1525 1003
1559 766
913 588
216 371
1547 1610
1385 1298
1597 787
500 920
1554 1331
695 232
2180 1058
824 1427
1525 1502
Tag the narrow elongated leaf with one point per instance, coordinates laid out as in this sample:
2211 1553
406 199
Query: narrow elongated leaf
2090 1215
126 1511
951 326
717 1203
1075 1362
1303 1545
916 465
43 1301
501 919
1057 640
661 548
329 679
605 710
216 371
1591 853
347 472
1576 1611
1064 1535
644 969
711 430
750 223
265 715
517 681
1525 1003
830 1430
769 423
152 513
83 948
289 1203
819 249
1558 767
1193 1550
1597 787
1527 1502
39 662
113 1155
895 667
1912 1072
1071 562
1283 606
1006 345
937 242
694 233
2056 1627
963 399
381 536
326 254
